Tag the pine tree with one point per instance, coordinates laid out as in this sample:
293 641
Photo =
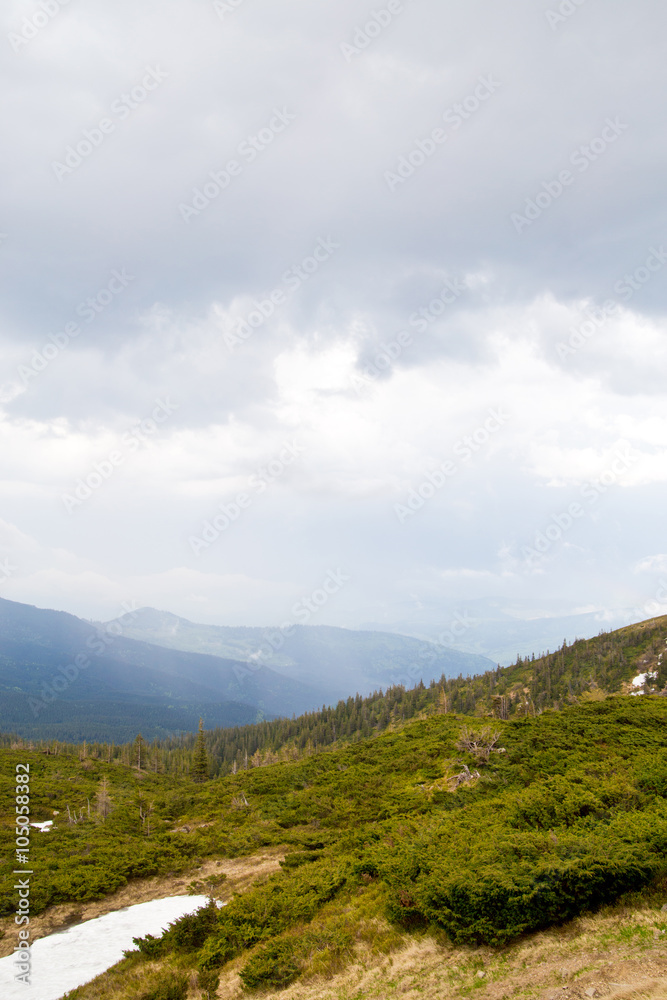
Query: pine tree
199 771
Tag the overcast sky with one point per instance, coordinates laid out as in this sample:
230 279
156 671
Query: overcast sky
403 263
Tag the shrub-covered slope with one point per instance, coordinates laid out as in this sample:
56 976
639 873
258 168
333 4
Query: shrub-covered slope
485 829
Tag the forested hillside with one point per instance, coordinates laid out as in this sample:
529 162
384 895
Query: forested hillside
585 670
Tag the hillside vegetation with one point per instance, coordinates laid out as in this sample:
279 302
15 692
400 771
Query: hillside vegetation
486 835
470 829
585 670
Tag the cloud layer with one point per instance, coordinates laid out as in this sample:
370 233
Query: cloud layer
301 265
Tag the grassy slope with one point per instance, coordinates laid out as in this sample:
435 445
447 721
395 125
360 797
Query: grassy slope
578 797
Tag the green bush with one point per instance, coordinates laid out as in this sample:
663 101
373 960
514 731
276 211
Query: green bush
86 882
150 946
562 800
170 986
266 910
518 885
188 933
652 775
275 966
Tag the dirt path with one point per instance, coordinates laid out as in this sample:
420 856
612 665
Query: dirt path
240 872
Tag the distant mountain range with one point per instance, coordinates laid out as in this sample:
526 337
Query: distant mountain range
150 671
336 662
64 678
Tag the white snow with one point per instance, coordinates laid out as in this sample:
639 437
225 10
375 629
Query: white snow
72 957
640 679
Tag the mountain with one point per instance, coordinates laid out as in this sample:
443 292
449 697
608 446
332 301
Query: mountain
630 661
64 678
338 662
149 671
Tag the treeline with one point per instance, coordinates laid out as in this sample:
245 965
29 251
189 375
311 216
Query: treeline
242 747
585 669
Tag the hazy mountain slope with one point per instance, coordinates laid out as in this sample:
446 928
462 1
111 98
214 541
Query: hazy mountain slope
50 660
338 661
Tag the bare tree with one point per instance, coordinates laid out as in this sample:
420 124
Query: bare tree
480 744
464 778
501 706
103 799
145 816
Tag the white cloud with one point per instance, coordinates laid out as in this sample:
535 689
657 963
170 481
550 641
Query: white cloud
653 564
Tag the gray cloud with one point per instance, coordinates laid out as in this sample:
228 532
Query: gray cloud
313 145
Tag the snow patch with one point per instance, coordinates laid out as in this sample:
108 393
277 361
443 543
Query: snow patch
640 679
63 961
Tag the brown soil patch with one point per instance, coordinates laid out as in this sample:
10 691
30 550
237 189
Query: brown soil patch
240 872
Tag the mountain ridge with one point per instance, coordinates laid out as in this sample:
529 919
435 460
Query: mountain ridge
343 661
68 679
50 660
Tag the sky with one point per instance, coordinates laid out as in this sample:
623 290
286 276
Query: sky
351 307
